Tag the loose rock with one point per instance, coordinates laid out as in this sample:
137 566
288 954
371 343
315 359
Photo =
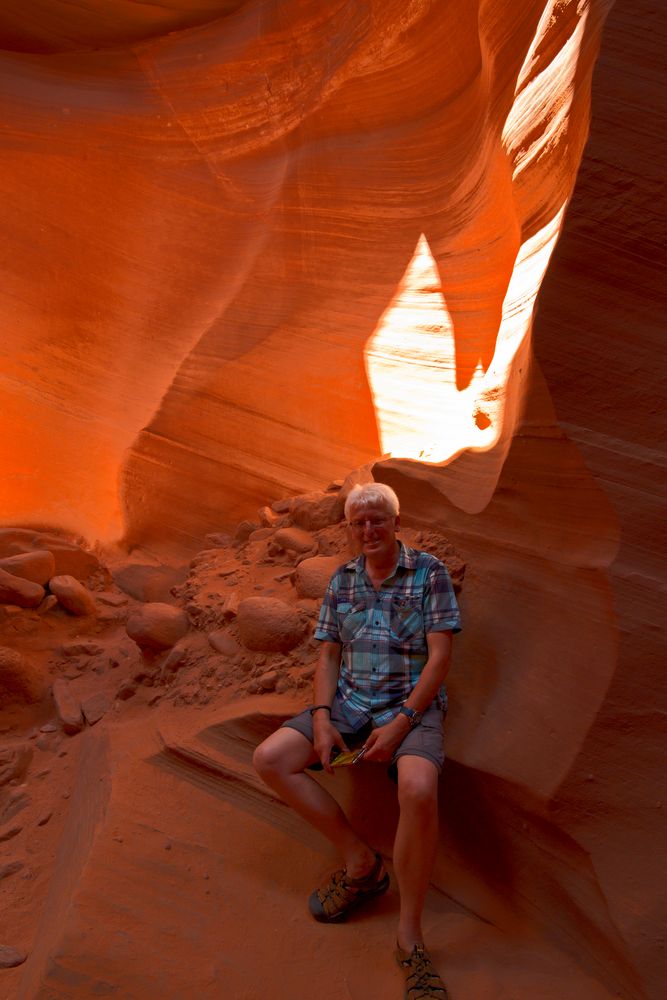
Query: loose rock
71 559
126 691
311 577
244 531
176 658
294 539
73 596
23 593
224 643
11 957
68 707
95 707
38 566
157 626
313 511
21 682
268 681
267 623
149 583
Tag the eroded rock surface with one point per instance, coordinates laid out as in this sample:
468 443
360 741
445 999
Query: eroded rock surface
294 210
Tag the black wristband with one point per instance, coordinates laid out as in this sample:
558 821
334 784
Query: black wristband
316 707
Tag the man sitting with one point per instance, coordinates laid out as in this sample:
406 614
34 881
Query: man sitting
386 628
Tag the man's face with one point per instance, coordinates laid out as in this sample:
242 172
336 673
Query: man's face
372 531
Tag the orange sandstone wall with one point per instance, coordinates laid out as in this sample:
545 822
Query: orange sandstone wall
206 211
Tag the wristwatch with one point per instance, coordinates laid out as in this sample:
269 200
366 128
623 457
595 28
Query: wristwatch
413 717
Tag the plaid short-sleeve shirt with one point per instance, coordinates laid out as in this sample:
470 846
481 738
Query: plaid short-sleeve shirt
383 633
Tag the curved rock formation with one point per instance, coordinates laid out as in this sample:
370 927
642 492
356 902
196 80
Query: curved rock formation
201 206
247 247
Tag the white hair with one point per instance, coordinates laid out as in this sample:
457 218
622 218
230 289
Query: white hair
370 494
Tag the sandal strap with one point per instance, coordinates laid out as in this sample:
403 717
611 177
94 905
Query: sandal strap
342 890
421 979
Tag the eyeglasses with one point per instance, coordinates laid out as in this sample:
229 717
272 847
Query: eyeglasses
372 522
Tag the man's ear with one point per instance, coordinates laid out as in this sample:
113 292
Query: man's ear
397 523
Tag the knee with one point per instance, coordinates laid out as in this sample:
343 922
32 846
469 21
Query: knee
264 759
418 794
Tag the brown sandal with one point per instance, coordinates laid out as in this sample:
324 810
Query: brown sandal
422 982
333 902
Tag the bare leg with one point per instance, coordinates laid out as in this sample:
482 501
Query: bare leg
280 761
415 844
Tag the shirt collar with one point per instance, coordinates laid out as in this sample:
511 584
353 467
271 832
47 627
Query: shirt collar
407 559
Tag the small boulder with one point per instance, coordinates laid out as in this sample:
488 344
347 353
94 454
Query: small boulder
16 590
311 577
268 680
269 624
126 691
259 534
230 607
11 957
314 511
149 583
14 540
48 604
21 682
73 596
71 559
218 539
224 643
282 506
95 707
267 518
38 566
244 531
68 707
157 626
176 658
294 539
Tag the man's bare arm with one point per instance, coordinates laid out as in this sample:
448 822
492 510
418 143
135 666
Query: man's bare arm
325 735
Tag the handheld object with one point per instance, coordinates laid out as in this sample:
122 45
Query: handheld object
347 757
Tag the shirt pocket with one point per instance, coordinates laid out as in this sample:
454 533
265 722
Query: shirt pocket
407 621
351 620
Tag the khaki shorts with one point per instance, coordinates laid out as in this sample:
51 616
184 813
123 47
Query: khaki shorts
425 740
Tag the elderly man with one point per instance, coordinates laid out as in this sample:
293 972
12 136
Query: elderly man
386 628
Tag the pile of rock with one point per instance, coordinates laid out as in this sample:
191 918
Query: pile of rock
40 570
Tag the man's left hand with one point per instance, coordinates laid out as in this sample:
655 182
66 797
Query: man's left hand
384 740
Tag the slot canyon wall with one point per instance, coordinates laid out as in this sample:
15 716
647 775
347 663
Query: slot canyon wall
249 247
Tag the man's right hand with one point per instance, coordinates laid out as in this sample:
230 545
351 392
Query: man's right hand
325 738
